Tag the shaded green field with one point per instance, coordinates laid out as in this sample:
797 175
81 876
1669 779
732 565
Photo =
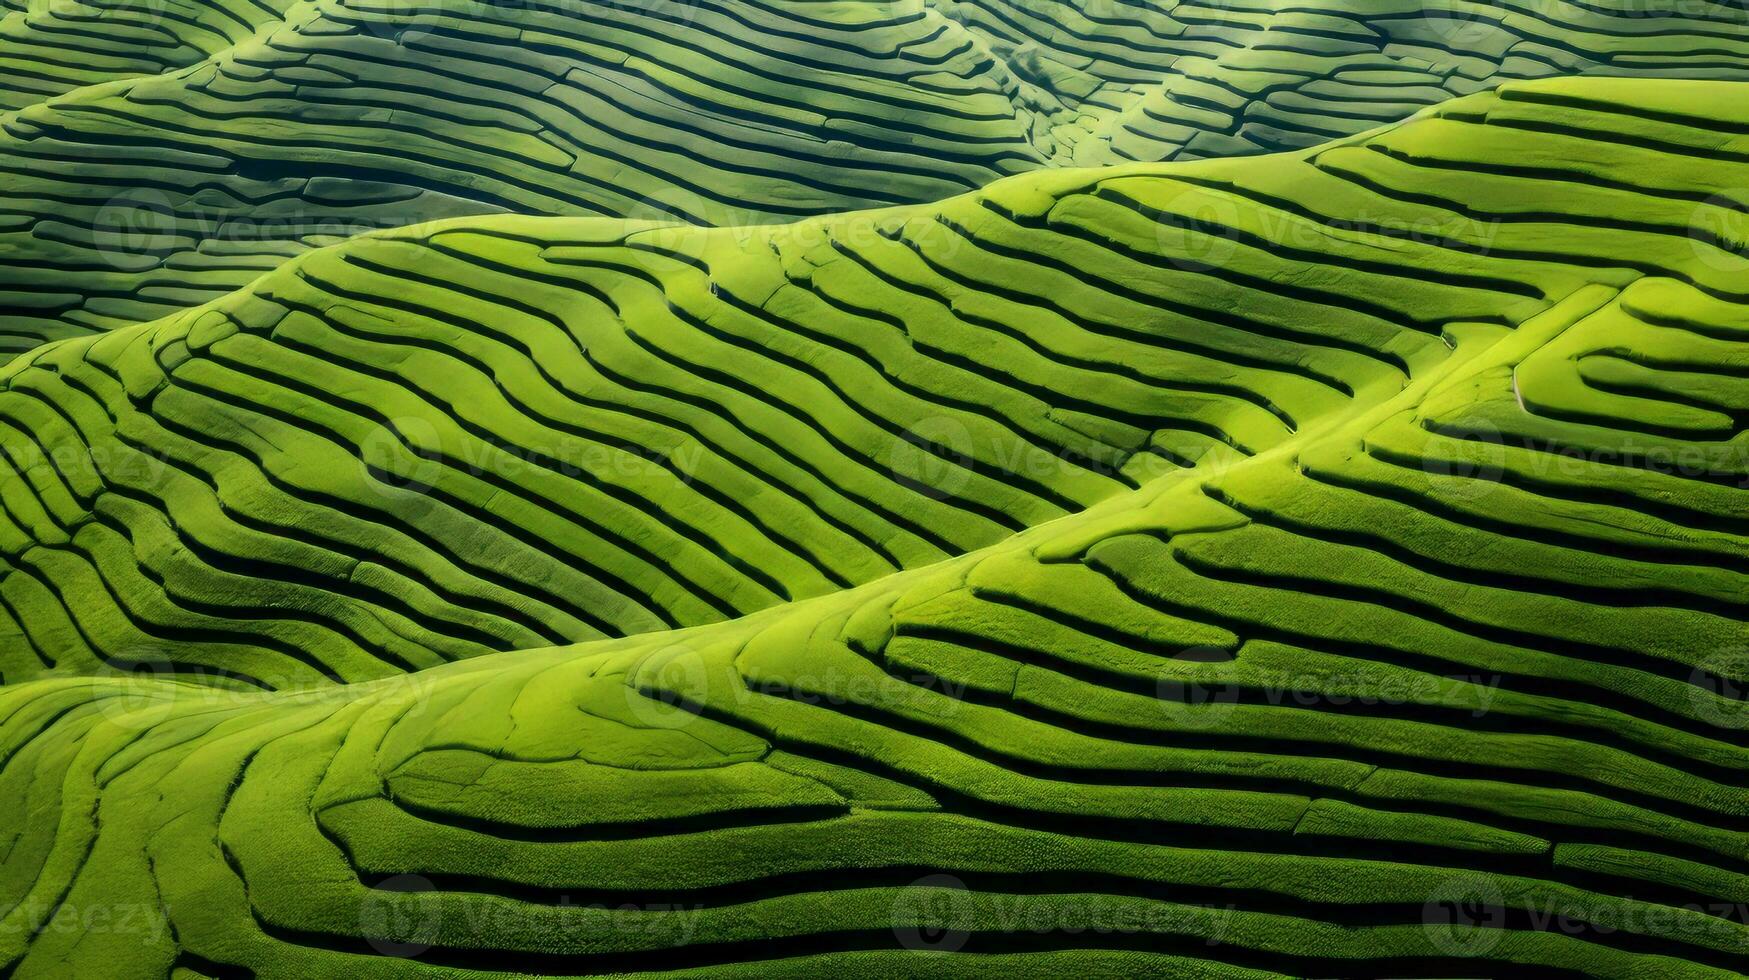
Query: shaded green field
1321 564
157 154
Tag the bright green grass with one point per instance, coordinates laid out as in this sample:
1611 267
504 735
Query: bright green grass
1217 569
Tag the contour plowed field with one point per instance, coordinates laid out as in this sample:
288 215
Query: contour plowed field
158 154
1323 564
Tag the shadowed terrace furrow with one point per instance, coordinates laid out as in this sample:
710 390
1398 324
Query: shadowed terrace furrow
358 116
1425 661
820 502
1685 831
968 465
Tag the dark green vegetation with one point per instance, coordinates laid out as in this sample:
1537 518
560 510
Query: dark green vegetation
160 153
1327 563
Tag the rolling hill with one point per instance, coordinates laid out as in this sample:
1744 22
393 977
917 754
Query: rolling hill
1326 563
158 154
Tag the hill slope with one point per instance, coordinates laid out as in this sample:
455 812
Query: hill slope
1422 655
153 166
507 433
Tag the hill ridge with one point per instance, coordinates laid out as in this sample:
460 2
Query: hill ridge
1326 563
341 118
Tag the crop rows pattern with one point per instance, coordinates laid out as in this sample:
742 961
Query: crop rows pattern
158 154
1209 568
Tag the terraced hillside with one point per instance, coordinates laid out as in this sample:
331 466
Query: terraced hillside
1324 564
157 154
506 434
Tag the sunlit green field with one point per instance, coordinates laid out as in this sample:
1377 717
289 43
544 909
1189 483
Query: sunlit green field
749 488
